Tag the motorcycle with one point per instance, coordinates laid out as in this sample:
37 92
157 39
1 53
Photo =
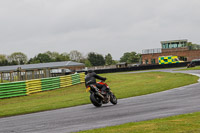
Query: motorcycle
97 97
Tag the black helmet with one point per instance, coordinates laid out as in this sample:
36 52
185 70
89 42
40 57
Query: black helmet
90 71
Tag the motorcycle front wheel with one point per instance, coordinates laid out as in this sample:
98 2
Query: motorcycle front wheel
113 99
96 101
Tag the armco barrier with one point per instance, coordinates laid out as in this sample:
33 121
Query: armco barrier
65 81
33 86
75 79
50 83
23 88
82 77
12 89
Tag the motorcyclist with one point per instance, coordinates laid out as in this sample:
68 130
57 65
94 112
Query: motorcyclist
90 79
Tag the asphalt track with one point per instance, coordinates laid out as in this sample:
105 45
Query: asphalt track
172 102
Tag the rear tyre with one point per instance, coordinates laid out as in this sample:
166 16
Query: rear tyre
113 99
96 101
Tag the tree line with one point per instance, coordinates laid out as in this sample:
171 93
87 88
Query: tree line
92 58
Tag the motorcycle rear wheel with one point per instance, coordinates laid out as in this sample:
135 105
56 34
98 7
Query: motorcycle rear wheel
96 101
113 99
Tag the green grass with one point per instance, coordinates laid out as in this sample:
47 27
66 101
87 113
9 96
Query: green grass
128 85
187 123
192 68
123 85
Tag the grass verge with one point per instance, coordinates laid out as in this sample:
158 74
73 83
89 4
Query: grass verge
192 68
123 85
187 123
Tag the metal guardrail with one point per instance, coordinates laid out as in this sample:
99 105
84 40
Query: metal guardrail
12 89
23 88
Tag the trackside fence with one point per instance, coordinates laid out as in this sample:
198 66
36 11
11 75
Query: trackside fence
12 89
23 88
50 83
144 67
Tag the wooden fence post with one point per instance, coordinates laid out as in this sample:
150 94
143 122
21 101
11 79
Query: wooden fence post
10 76
33 74
26 77
19 73
45 73
1 77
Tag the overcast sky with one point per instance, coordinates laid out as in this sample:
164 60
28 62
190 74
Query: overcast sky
102 26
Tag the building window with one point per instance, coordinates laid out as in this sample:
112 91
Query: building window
163 46
153 61
171 45
175 45
180 45
168 45
146 62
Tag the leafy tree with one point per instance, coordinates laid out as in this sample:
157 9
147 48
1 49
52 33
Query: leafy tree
87 63
40 58
193 46
63 57
96 59
130 57
125 57
108 59
17 58
54 56
49 57
33 60
3 60
75 56
115 62
43 58
2 57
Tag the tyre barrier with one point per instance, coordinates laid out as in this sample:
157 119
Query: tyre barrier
23 88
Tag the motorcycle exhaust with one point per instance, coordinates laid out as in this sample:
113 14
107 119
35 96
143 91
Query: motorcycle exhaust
100 95
97 91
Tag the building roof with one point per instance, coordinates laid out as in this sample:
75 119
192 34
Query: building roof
40 66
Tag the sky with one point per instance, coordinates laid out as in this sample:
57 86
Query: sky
101 26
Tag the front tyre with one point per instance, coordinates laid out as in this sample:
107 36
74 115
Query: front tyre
96 101
113 99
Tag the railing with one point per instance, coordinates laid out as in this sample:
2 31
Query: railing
23 88
152 51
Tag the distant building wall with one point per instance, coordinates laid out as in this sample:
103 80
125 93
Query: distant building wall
35 71
180 48
180 52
